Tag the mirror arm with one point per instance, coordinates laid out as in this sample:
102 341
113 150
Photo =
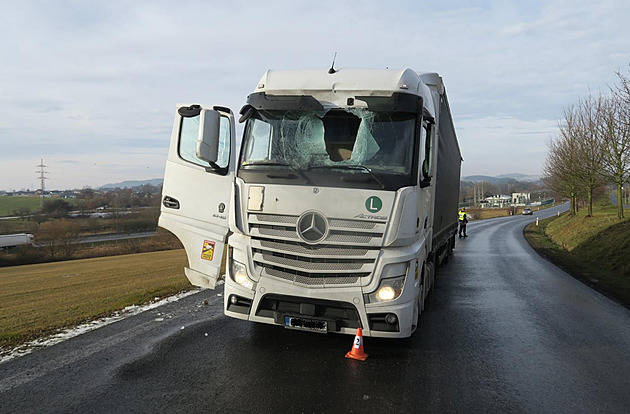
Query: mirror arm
246 112
425 182
214 167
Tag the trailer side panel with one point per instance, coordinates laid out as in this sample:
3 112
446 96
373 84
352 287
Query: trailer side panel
447 177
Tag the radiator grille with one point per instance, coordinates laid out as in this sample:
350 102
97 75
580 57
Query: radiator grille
347 254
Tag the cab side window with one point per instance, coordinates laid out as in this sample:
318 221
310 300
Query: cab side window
189 132
427 164
224 143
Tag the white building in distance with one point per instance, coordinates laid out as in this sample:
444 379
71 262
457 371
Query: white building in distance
503 201
521 199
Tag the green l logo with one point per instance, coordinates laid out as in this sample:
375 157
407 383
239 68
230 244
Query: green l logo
373 204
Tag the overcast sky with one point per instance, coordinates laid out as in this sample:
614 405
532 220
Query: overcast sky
91 87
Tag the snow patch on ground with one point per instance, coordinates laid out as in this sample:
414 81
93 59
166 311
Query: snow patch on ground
66 334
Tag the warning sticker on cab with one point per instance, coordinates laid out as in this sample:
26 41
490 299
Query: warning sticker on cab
207 251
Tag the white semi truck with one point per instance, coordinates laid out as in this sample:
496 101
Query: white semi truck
339 207
14 240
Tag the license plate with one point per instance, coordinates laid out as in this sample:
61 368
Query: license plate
305 324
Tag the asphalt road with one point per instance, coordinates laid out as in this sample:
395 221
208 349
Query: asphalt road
504 331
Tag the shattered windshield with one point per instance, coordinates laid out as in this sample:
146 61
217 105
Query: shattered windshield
381 142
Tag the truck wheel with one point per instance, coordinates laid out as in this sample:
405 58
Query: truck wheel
429 274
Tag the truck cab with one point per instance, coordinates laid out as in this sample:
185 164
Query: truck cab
325 220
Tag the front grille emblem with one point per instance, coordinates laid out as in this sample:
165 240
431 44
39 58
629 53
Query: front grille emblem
312 227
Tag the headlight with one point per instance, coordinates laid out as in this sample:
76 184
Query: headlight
388 290
238 271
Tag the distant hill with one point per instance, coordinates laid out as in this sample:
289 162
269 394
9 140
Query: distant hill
133 183
520 177
503 178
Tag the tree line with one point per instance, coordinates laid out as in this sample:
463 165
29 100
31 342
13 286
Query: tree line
88 200
592 148
60 225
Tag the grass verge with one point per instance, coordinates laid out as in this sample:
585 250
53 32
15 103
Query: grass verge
39 300
594 250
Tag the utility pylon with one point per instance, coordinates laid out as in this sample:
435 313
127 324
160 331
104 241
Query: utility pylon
42 178
478 194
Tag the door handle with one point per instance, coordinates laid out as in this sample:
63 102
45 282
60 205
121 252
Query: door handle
170 202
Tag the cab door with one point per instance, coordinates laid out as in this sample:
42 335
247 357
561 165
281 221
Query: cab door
198 184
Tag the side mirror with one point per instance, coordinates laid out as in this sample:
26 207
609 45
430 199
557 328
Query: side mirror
208 140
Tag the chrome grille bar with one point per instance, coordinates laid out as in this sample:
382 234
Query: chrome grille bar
312 281
328 251
315 266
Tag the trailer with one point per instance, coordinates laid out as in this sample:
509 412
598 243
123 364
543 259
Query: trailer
338 207
13 240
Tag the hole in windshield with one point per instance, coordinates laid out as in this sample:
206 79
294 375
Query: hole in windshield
340 133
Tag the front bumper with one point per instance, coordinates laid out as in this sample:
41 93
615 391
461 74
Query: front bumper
344 309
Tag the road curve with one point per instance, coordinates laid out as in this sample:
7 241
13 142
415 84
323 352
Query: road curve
504 331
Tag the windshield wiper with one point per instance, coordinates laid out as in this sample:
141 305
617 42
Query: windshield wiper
350 167
272 164
281 164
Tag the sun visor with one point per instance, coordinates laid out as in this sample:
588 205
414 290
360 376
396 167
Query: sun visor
261 100
398 102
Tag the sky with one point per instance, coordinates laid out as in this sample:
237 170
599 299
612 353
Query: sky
91 87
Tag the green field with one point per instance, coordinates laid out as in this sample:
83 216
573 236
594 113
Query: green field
38 300
593 249
10 204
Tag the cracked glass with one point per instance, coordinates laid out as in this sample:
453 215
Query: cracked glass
379 141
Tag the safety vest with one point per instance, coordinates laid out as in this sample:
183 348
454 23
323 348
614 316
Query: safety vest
462 215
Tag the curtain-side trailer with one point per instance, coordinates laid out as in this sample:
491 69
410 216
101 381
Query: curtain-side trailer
338 207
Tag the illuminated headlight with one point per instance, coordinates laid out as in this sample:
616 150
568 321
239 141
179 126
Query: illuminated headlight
239 275
388 290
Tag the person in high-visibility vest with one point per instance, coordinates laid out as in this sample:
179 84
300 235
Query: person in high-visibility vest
463 219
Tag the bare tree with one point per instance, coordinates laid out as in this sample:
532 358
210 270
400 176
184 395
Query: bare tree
582 126
623 90
559 172
593 147
59 238
614 134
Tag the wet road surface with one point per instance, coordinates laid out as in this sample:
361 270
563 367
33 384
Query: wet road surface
503 331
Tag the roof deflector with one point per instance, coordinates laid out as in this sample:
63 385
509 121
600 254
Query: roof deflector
261 100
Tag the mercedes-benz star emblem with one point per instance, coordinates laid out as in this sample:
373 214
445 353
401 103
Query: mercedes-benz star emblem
312 227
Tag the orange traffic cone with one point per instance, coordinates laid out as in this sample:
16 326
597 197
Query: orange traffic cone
356 352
